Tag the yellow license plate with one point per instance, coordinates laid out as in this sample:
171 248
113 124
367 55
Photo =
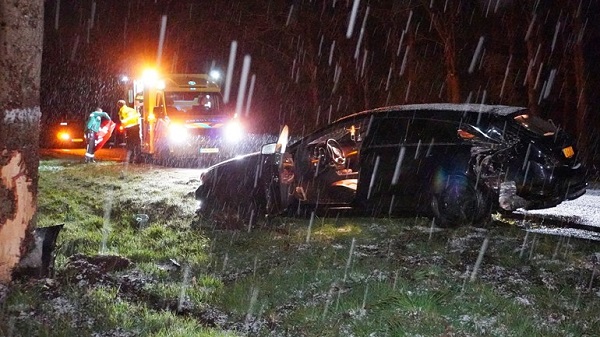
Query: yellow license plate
568 152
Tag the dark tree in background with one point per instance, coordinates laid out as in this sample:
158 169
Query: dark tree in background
21 30
446 18
310 69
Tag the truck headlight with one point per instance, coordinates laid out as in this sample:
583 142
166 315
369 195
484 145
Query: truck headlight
215 75
178 133
234 131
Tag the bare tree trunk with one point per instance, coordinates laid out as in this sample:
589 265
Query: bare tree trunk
444 24
580 85
532 93
313 75
452 78
411 73
21 31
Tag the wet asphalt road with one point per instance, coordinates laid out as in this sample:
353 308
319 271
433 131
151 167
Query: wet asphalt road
109 154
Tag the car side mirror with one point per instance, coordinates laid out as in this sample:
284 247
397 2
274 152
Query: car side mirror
283 139
268 148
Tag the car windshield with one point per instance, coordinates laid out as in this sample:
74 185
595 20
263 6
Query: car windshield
536 124
337 134
193 103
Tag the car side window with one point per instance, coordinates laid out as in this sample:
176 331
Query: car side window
387 131
395 131
348 136
430 130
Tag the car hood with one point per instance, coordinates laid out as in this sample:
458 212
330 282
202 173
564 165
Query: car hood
233 168
235 161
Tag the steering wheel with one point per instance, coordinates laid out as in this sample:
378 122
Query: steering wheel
327 155
335 153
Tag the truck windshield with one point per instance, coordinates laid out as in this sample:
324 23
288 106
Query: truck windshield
193 103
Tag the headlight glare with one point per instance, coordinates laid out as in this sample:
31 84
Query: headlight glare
234 131
178 133
64 136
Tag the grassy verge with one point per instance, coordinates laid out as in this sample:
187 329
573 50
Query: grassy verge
291 277
395 277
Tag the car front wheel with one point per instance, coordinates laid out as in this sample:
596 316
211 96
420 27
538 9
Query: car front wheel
459 202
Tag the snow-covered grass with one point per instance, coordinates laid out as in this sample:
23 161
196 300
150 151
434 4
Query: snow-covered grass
400 280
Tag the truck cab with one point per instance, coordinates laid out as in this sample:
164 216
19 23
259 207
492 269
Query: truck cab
183 116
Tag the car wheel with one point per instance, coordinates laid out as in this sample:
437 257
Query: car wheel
145 158
459 202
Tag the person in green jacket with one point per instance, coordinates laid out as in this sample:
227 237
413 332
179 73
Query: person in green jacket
91 127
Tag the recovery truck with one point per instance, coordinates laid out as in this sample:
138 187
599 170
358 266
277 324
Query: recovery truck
183 117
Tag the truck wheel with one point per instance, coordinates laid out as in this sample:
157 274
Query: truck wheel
145 158
460 203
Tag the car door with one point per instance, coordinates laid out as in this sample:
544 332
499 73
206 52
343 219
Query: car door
383 149
434 150
277 172
328 165
323 168
403 156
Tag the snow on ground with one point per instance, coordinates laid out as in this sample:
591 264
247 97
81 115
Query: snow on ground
584 211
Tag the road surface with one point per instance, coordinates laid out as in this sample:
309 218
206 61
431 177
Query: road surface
114 154
578 218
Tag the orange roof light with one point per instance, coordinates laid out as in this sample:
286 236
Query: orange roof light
149 76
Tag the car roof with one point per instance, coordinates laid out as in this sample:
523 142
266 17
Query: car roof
450 110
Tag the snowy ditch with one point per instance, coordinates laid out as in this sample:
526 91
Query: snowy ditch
574 218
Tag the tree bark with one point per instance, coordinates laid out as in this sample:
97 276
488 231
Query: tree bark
532 93
444 24
579 66
21 32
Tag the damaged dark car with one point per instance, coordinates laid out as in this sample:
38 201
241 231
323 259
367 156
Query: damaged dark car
457 163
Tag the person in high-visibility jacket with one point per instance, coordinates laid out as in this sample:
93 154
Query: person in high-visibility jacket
130 120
